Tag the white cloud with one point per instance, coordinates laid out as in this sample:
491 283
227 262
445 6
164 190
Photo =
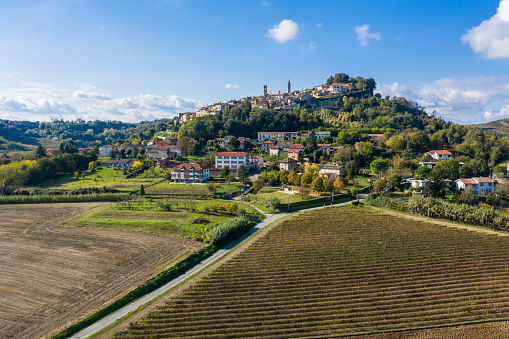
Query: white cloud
363 35
319 24
463 100
43 102
9 75
266 3
491 37
230 86
309 48
286 30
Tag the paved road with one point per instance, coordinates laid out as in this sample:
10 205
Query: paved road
108 320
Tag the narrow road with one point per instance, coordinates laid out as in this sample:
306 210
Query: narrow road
108 320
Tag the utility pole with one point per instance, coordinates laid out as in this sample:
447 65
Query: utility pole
270 205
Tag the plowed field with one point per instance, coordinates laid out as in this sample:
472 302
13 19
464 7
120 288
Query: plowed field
52 275
338 272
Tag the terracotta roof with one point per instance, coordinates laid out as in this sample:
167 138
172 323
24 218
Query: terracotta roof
231 154
288 160
484 179
468 181
187 166
274 147
107 146
439 152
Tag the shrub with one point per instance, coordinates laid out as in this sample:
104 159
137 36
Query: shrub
231 207
226 228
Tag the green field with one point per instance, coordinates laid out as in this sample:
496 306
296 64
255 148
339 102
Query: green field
191 189
109 177
147 216
342 271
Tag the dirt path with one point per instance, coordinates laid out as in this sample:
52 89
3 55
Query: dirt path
438 222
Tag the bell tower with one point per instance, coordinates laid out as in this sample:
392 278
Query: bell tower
264 90
289 86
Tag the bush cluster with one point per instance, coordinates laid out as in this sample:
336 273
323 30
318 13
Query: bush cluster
226 228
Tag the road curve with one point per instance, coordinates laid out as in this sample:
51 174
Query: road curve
108 320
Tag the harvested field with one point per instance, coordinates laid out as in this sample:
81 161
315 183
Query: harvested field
52 275
353 271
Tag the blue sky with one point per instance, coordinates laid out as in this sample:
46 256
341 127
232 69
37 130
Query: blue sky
141 60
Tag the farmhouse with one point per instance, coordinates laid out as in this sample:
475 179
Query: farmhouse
104 150
231 159
190 173
327 170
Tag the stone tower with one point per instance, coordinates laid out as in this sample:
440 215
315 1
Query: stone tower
264 90
289 86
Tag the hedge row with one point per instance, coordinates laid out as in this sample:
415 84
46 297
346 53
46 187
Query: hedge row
46 198
226 228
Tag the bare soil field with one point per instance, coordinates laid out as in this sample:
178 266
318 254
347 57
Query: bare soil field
52 275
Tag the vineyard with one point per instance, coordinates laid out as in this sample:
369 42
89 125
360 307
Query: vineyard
353 271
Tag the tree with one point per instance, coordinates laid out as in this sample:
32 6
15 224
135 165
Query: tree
306 179
212 188
379 166
185 145
142 190
434 186
225 171
231 207
352 169
312 169
137 165
380 186
447 169
168 175
317 185
232 144
229 178
40 152
297 181
328 186
284 177
339 185
422 172
242 173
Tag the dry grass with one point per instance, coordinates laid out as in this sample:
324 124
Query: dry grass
52 275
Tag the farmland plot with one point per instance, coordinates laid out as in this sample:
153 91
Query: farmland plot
53 275
341 271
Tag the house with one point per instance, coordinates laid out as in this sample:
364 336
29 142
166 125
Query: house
166 163
288 164
294 153
190 173
280 136
256 161
481 185
418 185
322 134
265 145
439 154
117 163
104 150
327 170
231 159
274 150
153 154
428 164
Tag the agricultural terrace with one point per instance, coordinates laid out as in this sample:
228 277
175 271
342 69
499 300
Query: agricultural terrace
166 188
103 176
52 275
354 270
176 216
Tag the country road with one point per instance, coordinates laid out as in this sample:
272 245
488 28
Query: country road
108 320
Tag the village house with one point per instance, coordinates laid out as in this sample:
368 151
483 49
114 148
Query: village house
231 159
256 161
418 185
332 171
265 145
481 185
166 163
279 136
288 164
275 150
104 150
294 153
190 173
439 154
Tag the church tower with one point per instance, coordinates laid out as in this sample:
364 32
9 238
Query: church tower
264 90
289 87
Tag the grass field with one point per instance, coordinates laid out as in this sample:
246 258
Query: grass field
52 275
191 189
353 271
147 217
103 177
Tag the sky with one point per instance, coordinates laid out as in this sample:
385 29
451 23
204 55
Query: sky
134 60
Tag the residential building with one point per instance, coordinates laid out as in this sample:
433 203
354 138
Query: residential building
294 154
336 170
117 163
439 154
274 150
280 136
481 185
231 159
190 173
288 164
265 145
256 161
104 150
418 185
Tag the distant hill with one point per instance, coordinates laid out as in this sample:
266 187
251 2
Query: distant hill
500 126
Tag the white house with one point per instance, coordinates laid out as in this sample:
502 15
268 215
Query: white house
439 154
481 185
256 161
277 135
117 163
231 159
104 150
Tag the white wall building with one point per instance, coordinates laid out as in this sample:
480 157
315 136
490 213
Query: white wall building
439 154
481 185
231 159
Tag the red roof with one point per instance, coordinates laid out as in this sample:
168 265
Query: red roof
484 179
440 152
188 166
468 181
231 154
